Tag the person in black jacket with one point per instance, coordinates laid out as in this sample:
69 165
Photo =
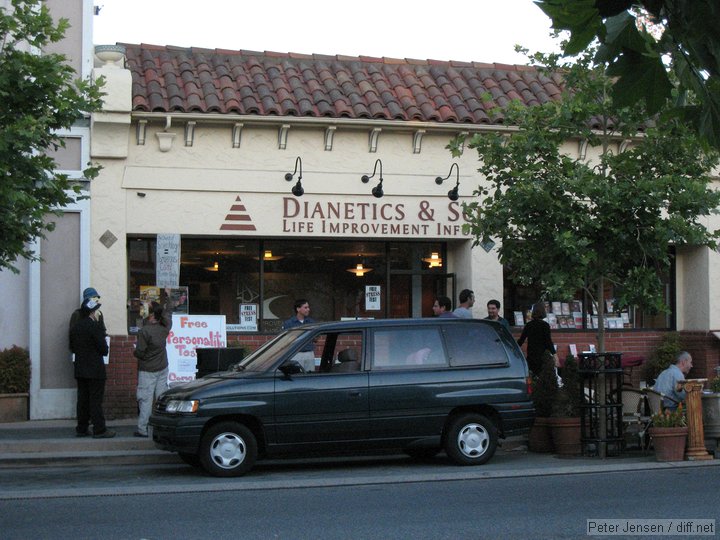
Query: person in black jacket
91 293
537 334
87 342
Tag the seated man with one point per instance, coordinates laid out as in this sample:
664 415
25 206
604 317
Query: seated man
671 381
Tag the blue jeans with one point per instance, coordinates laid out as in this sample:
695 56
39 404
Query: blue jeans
150 385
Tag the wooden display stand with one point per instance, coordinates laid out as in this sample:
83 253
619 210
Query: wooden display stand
696 438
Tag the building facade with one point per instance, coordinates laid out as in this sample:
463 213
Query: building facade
268 168
39 299
283 176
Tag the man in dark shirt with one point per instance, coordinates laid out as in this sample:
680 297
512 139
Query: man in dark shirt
493 309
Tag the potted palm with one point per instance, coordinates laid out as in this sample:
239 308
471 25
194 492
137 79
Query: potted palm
565 421
669 434
545 388
14 384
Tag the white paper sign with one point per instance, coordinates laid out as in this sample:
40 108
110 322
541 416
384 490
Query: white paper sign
188 333
168 260
372 298
248 317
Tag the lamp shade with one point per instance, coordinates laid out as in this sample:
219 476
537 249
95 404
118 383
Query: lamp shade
434 260
359 270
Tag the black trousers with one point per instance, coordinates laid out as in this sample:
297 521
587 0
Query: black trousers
89 405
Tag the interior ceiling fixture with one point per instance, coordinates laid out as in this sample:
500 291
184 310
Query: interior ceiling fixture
297 189
434 260
377 191
359 270
453 194
268 256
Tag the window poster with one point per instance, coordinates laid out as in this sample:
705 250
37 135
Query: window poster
167 257
372 297
178 297
248 318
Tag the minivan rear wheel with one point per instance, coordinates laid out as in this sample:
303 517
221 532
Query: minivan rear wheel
471 439
228 449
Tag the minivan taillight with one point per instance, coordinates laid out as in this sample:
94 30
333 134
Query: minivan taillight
528 381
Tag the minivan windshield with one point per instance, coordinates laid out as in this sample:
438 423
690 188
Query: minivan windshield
266 356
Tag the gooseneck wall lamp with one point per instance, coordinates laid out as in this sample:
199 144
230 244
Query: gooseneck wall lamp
377 191
297 189
453 194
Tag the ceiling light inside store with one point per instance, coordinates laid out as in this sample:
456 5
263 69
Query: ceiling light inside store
268 256
359 270
434 261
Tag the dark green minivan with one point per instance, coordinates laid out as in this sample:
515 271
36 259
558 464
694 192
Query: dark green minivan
416 385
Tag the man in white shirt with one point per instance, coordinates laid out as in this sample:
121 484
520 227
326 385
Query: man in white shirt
467 299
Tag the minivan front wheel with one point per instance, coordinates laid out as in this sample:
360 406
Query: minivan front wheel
471 439
228 449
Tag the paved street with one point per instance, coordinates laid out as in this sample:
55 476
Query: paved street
399 507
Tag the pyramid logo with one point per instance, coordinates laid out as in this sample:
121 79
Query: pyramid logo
238 218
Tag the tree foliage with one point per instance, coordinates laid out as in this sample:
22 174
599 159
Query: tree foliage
659 50
569 223
39 96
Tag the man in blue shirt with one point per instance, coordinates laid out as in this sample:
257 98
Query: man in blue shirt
671 381
306 356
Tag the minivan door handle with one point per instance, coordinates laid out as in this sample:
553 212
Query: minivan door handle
355 393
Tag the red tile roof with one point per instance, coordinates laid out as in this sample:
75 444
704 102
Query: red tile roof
174 79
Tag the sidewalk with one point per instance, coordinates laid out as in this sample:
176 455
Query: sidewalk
52 443
40 443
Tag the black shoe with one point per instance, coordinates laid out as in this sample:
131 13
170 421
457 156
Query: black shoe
138 434
107 434
82 433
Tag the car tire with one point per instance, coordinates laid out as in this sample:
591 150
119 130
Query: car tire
228 449
190 459
471 439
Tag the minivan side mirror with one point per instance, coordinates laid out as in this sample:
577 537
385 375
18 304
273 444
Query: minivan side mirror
291 367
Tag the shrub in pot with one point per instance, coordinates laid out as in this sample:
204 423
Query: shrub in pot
711 414
14 370
669 434
545 388
14 384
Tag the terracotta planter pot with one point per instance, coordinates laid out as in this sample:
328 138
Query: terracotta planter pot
566 436
13 407
669 443
540 438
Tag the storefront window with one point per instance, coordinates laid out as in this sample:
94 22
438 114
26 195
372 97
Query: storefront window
578 313
340 279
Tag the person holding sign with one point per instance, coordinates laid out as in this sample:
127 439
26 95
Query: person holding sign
152 360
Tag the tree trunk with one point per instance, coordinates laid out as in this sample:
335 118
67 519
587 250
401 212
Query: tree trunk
601 397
